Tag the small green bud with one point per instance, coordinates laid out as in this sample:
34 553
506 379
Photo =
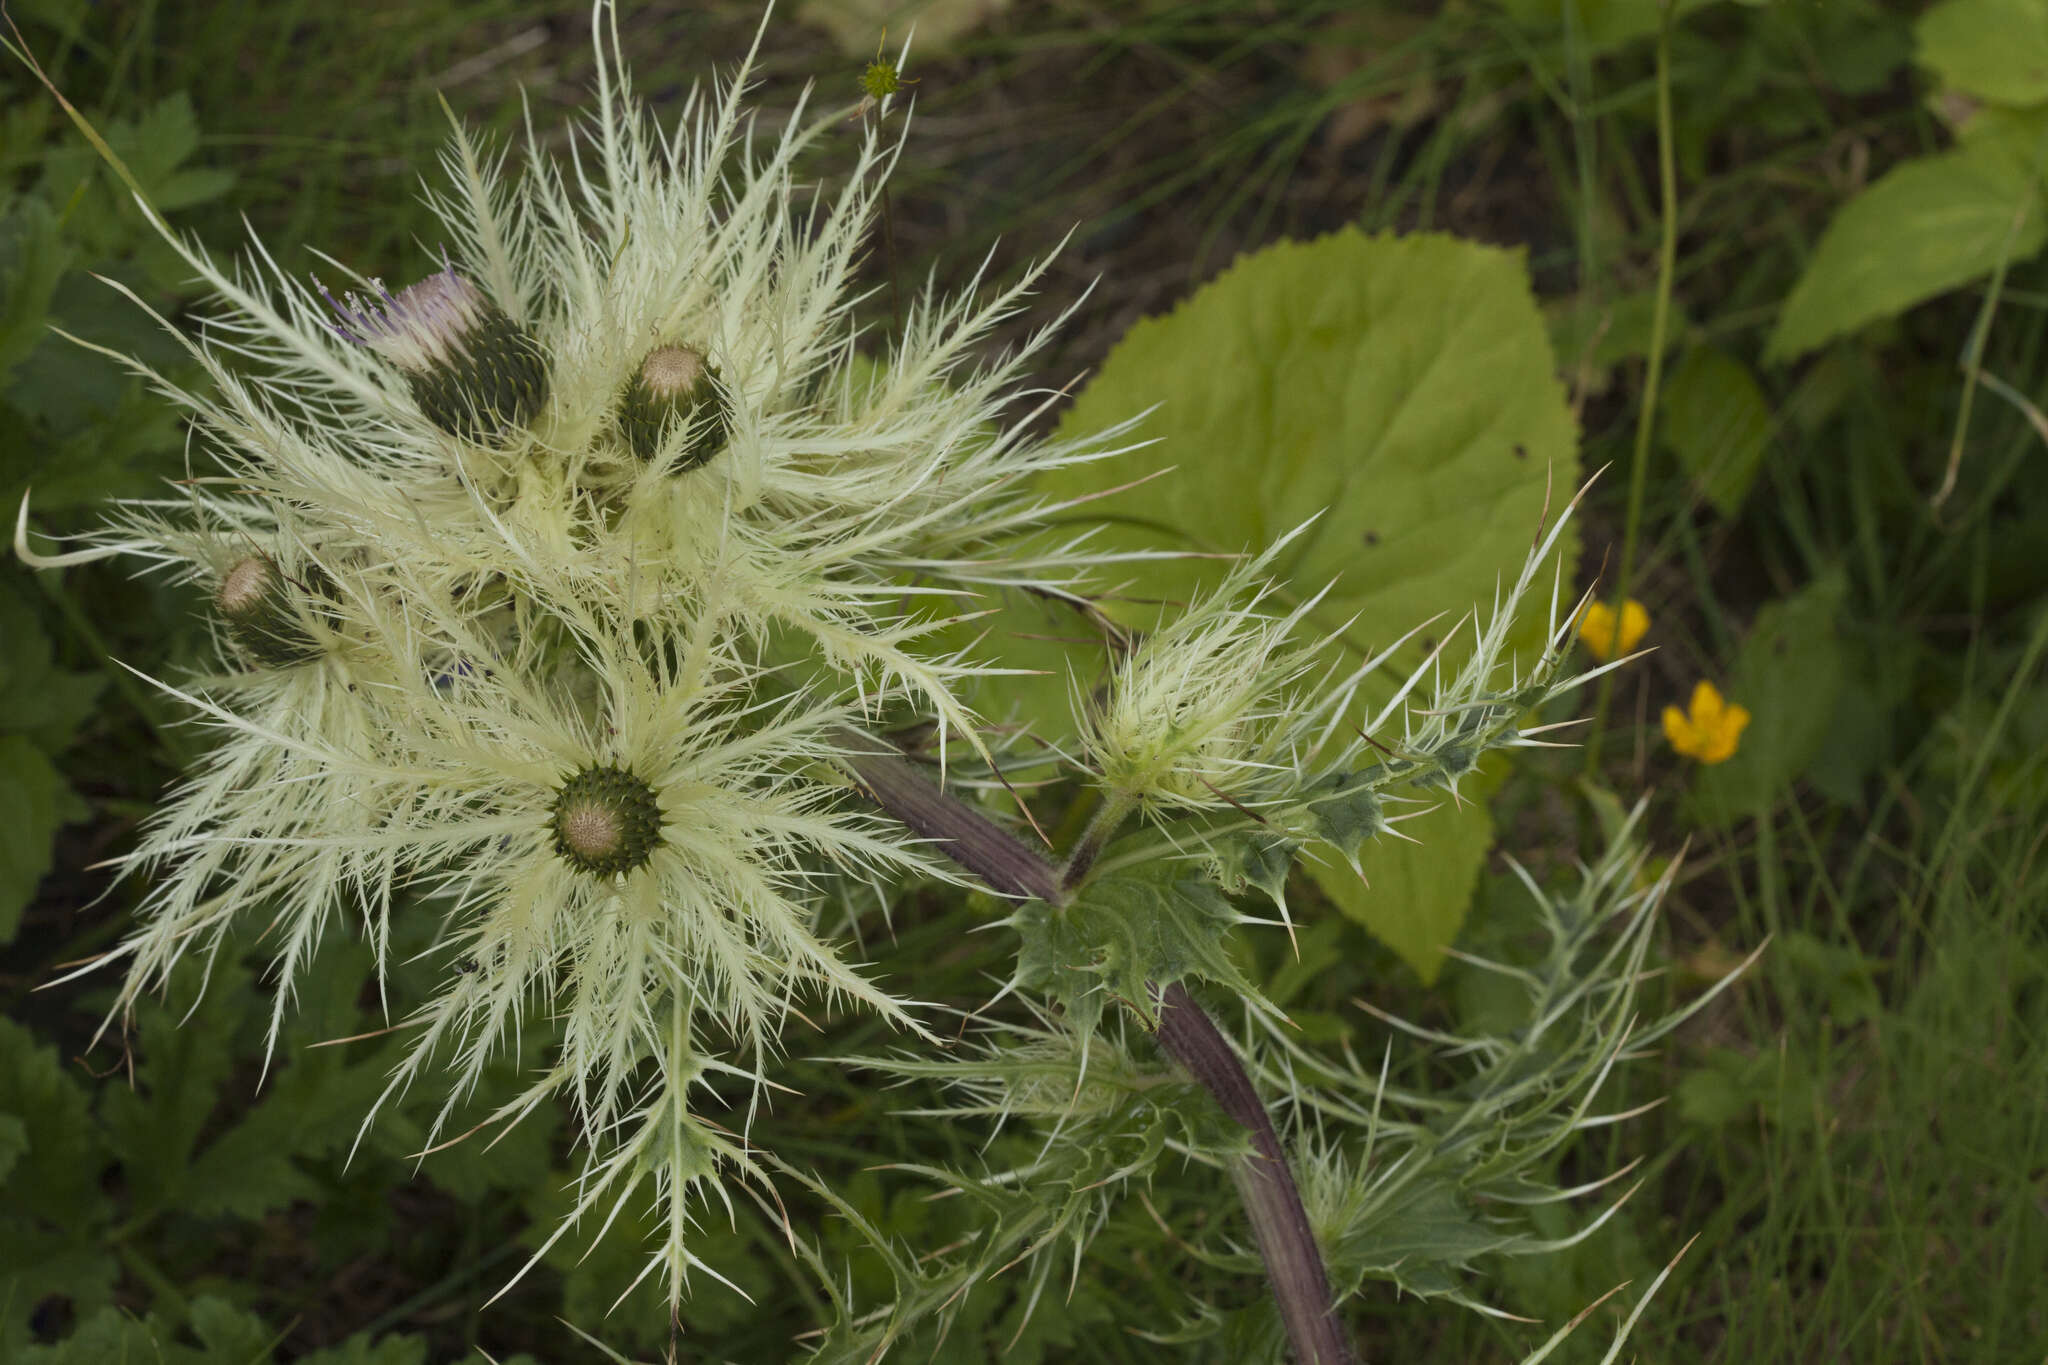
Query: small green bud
606 821
262 615
880 80
676 385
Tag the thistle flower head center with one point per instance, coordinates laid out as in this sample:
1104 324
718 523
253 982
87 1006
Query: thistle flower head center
590 829
606 821
671 371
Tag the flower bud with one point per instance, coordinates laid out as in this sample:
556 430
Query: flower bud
676 385
261 611
606 821
475 373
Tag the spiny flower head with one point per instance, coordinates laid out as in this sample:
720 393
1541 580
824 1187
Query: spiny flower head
676 387
474 372
545 583
266 615
1196 712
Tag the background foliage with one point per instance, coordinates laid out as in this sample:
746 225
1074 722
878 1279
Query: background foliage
1859 312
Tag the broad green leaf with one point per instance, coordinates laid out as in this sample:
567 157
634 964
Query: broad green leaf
1417 1238
32 805
1789 675
1925 227
230 1335
1857 44
1993 49
1839 973
1400 389
1715 419
225 1335
156 147
183 1055
55 1174
1414 896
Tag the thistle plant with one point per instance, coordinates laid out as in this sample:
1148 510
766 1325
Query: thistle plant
570 594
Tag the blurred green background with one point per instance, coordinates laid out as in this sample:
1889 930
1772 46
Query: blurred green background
1859 307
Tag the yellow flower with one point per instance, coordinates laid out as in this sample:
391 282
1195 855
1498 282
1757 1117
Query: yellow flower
1596 628
1710 732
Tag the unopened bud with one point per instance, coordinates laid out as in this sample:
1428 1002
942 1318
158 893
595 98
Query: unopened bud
676 386
262 614
475 373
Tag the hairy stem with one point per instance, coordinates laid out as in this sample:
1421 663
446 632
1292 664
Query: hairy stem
1294 1263
1108 819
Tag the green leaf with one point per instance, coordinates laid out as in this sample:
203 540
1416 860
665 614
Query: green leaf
1927 226
1417 1238
36 697
1158 922
1776 1085
1839 973
226 1335
1415 896
52 1210
32 260
1993 49
359 1350
1400 389
1789 675
56 1170
310 1105
156 147
183 1055
1715 419
32 804
230 1335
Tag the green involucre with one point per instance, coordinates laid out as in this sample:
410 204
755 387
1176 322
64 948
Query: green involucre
606 821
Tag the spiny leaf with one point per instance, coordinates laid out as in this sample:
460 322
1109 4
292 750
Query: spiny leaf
1129 930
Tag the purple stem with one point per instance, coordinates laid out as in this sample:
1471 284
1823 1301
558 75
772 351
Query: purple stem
1280 1226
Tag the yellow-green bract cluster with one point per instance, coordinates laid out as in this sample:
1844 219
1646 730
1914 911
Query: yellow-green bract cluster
544 583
